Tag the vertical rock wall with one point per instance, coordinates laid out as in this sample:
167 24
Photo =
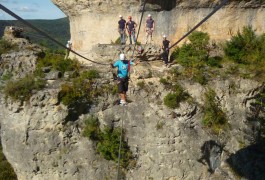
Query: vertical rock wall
94 22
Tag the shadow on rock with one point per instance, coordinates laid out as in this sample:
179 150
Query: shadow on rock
159 5
211 154
77 109
249 162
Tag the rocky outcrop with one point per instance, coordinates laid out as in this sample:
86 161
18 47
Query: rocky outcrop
17 64
41 144
42 138
95 21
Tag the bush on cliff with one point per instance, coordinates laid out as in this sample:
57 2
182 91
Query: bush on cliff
91 129
172 100
80 88
194 52
57 62
22 89
195 56
108 146
6 46
6 170
214 117
247 50
108 142
245 47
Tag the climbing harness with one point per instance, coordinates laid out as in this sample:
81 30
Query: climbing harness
45 34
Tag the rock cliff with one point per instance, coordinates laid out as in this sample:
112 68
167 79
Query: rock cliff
42 138
95 21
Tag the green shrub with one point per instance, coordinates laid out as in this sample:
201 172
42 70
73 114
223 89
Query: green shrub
194 56
108 142
81 88
6 46
199 76
141 84
195 51
23 89
7 76
172 100
91 74
57 62
114 90
214 61
91 129
108 147
245 47
247 50
160 125
164 81
6 170
214 117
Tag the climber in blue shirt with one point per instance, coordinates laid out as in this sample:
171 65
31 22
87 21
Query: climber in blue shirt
123 79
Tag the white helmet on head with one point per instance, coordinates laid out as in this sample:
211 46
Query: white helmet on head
164 36
120 16
149 15
122 56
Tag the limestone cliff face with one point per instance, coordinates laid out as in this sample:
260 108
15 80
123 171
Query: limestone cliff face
95 21
42 138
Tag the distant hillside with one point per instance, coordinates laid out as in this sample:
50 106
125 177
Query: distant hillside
59 29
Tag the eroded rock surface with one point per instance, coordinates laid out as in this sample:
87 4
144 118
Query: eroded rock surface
42 138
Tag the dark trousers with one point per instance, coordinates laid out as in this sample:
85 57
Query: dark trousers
165 56
123 84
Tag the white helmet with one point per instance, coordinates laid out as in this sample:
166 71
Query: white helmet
122 57
120 16
149 15
164 36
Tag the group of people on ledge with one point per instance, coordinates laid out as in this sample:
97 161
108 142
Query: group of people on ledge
130 26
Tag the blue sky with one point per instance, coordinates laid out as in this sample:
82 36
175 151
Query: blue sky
31 9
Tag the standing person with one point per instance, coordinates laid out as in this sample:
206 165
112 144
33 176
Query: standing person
69 47
121 29
123 66
149 28
130 26
165 48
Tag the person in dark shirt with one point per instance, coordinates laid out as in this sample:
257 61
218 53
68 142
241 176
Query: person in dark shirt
131 25
165 48
149 28
121 29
